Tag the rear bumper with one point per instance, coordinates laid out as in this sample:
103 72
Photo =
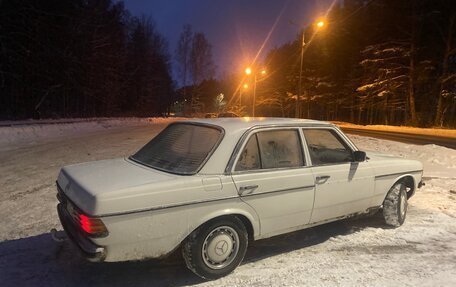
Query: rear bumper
89 249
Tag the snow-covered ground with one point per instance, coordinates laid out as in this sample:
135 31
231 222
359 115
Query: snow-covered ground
361 252
13 133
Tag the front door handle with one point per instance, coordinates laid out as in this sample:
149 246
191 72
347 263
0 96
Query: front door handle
322 178
247 189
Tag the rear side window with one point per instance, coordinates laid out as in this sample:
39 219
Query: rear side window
271 149
326 147
180 148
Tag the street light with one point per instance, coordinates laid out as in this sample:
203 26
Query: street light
319 25
248 71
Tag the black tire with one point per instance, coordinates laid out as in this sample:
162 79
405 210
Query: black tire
395 205
213 241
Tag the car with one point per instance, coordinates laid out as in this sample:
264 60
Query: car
228 115
211 186
210 115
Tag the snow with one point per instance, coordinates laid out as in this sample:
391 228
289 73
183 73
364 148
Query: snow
377 84
362 252
33 131
390 50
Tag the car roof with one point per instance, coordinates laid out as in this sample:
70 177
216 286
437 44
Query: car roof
244 123
234 128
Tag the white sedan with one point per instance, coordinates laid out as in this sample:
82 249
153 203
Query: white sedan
209 186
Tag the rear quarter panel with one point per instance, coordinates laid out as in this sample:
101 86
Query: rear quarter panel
156 233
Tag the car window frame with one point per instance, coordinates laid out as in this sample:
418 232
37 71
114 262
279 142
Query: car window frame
344 140
253 136
253 132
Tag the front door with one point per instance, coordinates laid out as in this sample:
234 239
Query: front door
271 176
342 186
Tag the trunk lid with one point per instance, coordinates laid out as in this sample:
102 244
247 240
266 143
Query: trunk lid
115 185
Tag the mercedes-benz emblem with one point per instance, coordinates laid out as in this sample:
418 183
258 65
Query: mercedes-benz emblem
221 247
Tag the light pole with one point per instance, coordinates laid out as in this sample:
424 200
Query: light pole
303 43
245 86
319 24
248 71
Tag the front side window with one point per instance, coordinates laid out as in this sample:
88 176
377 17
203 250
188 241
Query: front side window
180 148
326 147
271 149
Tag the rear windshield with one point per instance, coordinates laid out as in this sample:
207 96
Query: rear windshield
180 148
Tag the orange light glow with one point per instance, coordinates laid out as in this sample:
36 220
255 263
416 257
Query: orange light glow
248 71
246 86
320 24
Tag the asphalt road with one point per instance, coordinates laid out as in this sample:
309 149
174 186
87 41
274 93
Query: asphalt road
404 137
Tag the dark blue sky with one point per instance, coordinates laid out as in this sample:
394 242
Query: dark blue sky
236 29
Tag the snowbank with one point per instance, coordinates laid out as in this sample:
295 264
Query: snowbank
438 161
33 131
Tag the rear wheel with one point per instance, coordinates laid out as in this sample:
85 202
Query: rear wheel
395 205
217 248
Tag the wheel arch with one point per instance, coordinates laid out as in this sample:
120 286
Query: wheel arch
195 247
409 182
251 224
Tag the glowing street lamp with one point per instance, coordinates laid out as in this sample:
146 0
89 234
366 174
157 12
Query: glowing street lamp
248 71
319 24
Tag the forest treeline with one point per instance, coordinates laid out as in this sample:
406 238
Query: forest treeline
77 58
373 62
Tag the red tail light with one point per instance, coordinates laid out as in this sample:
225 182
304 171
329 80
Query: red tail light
94 227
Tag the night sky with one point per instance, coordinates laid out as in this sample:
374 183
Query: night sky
236 29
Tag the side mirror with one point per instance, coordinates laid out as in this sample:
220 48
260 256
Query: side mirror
359 156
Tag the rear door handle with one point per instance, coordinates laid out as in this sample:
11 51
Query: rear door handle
247 189
322 178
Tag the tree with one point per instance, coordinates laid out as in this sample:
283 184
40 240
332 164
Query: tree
201 64
447 80
385 90
183 51
383 61
277 95
80 59
149 80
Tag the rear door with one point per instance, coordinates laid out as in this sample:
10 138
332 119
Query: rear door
342 186
271 175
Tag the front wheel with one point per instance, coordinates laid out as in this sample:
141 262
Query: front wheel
395 205
217 248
